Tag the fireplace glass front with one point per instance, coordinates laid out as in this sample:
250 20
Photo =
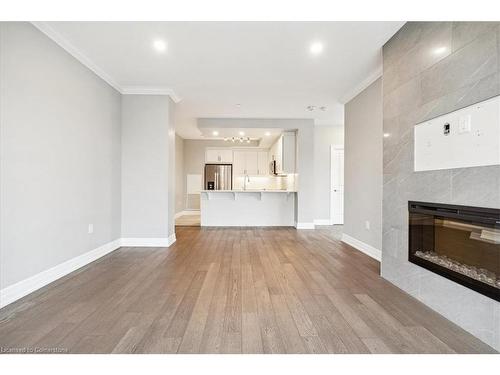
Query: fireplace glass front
460 243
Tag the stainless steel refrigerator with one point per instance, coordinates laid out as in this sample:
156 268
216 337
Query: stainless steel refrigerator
218 177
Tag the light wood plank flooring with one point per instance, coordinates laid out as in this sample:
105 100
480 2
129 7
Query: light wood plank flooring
191 220
222 290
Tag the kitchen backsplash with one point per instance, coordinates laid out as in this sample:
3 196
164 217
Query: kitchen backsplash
268 182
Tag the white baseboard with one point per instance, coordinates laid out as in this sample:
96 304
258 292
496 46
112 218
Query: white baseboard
22 288
191 212
363 247
322 222
149 242
186 212
304 225
171 239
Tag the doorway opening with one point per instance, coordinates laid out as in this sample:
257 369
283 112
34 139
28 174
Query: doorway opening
337 185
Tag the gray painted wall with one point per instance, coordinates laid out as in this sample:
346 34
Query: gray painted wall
363 166
146 138
59 152
420 84
324 138
180 179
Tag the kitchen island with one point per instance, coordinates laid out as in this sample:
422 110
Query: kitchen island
248 208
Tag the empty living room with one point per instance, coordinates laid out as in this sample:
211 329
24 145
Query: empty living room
249 187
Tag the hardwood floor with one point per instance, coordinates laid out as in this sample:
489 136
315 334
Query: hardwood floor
222 290
191 220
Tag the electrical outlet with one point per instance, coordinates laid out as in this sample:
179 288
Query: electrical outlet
367 225
91 228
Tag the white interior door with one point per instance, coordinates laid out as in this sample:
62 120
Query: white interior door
337 185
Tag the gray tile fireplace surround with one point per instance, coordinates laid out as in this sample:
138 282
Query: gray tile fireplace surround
431 68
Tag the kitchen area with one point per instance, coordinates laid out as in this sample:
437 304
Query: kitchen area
248 178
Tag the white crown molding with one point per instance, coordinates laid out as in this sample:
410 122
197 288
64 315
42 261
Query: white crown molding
145 90
45 28
376 74
363 247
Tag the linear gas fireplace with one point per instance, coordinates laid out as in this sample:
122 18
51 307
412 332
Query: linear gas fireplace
460 243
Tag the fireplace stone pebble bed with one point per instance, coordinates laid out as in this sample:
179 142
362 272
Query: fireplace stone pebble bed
480 274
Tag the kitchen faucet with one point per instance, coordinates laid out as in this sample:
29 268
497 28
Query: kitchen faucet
245 181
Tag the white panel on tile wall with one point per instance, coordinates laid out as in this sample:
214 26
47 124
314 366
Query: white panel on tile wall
468 137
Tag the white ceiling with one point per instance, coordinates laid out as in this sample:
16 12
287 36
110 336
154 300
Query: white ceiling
266 67
265 137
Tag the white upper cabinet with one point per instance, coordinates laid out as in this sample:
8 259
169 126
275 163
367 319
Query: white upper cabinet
288 153
262 163
276 151
226 156
251 162
239 164
283 151
213 155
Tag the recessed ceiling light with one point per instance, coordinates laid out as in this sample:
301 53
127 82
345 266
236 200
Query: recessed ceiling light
160 45
215 133
267 134
316 48
440 50
242 133
386 135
